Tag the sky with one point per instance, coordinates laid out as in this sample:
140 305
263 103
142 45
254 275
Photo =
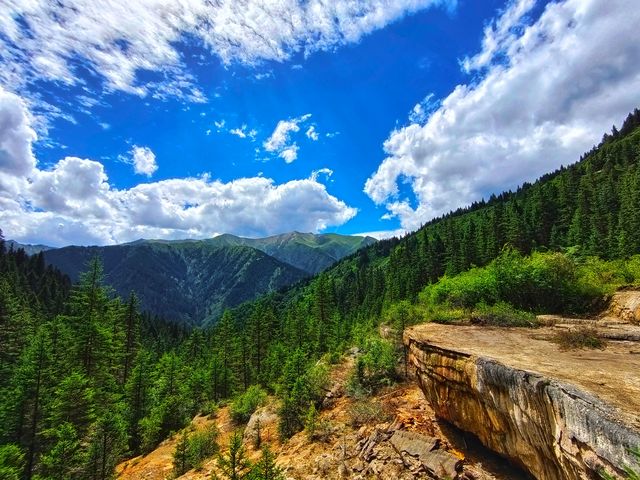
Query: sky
124 119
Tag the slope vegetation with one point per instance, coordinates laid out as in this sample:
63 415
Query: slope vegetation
189 282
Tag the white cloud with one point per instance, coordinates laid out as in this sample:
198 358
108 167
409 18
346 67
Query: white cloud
244 132
423 109
327 172
16 136
279 141
219 124
238 132
44 40
74 202
312 134
547 93
289 154
143 160
383 234
500 34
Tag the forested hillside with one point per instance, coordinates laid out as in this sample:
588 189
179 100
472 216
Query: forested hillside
191 282
592 206
187 282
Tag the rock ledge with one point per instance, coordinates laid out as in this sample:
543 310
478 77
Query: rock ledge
559 415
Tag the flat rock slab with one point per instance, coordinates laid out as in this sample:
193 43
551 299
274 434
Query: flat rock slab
413 443
442 464
613 374
438 463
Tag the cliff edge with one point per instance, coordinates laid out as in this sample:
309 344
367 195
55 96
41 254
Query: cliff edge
560 414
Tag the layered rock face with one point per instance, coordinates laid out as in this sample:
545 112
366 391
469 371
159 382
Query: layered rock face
543 423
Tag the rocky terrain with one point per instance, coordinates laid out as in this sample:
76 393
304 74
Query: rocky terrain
551 412
394 434
559 413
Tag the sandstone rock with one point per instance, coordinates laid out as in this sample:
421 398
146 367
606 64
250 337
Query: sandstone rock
437 462
414 444
442 464
625 305
264 422
545 424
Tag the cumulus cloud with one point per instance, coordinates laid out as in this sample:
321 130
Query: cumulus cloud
548 91
44 40
16 136
143 160
74 202
289 154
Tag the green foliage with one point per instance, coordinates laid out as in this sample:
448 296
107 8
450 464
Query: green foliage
501 314
65 458
266 468
193 448
367 411
246 403
301 386
234 465
311 422
11 462
505 290
376 366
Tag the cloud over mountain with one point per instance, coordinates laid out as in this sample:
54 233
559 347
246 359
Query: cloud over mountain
74 202
546 91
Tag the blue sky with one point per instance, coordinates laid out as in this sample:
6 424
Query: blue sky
347 116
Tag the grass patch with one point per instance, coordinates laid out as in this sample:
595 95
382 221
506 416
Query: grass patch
503 315
579 338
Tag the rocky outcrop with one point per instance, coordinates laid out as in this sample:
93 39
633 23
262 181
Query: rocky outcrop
543 423
625 305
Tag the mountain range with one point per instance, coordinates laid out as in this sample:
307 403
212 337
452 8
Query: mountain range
193 281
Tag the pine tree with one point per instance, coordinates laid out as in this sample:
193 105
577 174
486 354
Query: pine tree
266 468
234 465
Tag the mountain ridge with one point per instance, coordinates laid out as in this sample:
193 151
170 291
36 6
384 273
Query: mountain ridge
193 281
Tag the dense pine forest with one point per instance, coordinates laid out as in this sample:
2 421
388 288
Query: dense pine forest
87 380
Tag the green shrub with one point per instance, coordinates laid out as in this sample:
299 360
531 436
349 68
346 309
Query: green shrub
210 409
376 367
366 412
202 445
502 315
544 282
311 421
444 314
466 289
246 403
193 448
